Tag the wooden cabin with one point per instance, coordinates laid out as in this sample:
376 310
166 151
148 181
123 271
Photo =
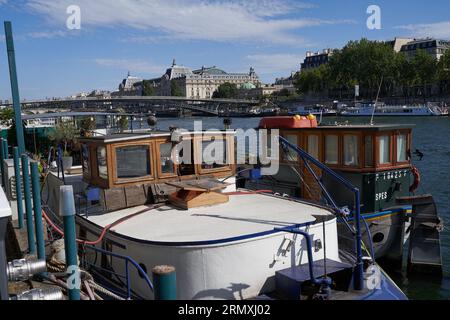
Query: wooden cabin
376 158
133 169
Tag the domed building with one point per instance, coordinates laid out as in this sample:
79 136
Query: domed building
202 83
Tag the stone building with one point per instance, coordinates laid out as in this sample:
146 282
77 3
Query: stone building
434 47
201 83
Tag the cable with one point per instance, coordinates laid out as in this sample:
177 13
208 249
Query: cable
105 229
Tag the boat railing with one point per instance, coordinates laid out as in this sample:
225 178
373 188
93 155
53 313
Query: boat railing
123 279
341 212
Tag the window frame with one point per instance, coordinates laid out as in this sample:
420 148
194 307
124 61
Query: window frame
198 157
120 181
360 147
162 175
408 146
391 163
339 148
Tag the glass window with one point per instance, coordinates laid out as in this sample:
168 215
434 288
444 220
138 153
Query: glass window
313 146
351 150
384 151
368 151
331 149
133 162
165 152
86 165
402 141
291 155
101 163
214 154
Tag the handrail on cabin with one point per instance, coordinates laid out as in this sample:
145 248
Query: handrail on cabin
358 274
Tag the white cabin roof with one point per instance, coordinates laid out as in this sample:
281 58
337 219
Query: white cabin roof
242 215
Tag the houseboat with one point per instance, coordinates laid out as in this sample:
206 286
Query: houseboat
379 109
160 199
377 159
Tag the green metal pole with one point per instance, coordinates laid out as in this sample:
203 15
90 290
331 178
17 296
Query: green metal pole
35 183
28 206
67 211
2 158
14 86
18 178
4 148
165 283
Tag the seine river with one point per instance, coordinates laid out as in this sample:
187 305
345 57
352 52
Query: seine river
431 135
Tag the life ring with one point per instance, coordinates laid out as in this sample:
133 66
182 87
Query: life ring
416 183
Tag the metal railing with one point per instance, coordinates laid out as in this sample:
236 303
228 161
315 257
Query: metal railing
128 261
340 212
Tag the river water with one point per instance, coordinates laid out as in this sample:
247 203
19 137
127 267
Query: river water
431 135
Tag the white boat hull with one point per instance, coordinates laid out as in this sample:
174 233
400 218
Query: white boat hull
229 270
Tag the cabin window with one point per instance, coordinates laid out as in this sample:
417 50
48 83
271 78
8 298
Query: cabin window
133 162
85 161
313 146
165 154
214 154
384 151
291 155
184 158
102 163
351 150
368 151
331 149
402 149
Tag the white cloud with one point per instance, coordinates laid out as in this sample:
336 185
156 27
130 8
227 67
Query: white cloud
135 66
217 20
279 63
436 30
47 34
2 2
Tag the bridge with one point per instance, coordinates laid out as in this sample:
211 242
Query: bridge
138 104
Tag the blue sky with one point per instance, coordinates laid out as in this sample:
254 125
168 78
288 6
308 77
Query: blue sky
143 36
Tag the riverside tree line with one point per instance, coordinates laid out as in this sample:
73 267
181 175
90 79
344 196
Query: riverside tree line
369 63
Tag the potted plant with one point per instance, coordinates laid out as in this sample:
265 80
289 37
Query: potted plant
64 134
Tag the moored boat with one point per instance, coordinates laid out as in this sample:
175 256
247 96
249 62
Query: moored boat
160 199
377 159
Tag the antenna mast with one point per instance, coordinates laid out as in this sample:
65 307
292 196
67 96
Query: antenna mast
376 101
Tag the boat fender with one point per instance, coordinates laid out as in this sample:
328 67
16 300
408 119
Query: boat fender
416 183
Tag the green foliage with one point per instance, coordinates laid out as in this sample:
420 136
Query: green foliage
365 63
226 91
149 90
123 123
65 133
6 116
175 89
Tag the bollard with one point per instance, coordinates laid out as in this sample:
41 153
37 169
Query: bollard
165 283
67 211
18 178
28 206
40 242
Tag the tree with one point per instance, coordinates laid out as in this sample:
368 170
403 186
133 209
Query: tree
426 70
226 91
443 73
7 116
148 88
65 132
175 89
88 124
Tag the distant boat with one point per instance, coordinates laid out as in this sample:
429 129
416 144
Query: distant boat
367 109
317 110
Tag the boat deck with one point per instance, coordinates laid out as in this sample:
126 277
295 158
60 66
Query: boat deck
254 214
